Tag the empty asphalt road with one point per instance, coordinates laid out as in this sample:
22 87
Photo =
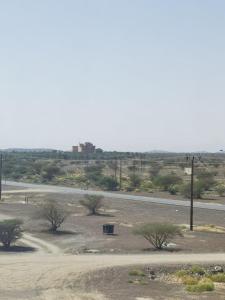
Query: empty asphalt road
115 195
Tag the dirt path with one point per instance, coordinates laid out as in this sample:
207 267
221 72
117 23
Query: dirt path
40 245
52 274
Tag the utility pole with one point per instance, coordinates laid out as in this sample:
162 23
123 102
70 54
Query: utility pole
193 159
120 181
1 159
192 193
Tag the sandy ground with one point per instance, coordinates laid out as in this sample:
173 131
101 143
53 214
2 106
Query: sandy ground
46 276
50 274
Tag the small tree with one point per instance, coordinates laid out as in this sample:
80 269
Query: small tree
135 181
198 190
54 213
220 189
93 203
166 181
206 178
158 234
154 170
10 231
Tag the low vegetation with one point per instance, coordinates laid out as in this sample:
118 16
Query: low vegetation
10 232
92 203
112 171
158 234
137 273
198 279
54 214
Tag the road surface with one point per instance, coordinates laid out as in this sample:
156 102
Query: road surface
68 190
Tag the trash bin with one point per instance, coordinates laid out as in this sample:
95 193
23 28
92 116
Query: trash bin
108 229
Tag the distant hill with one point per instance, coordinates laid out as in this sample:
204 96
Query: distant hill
28 150
159 151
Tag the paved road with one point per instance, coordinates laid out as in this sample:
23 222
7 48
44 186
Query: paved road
67 190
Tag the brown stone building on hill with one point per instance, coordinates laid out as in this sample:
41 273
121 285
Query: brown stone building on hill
84 148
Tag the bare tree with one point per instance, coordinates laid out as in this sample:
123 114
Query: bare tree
54 213
93 203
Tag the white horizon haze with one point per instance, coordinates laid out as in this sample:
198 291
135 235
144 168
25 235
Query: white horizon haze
124 75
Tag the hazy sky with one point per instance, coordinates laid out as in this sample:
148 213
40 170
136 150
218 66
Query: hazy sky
126 75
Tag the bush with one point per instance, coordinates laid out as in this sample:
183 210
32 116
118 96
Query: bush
146 185
173 189
10 231
93 173
197 270
220 189
206 178
137 273
181 273
189 280
108 183
218 277
155 169
167 180
49 172
198 190
204 285
93 203
158 234
54 213
135 181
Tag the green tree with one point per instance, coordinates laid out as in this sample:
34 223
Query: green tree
93 173
10 231
220 189
166 181
49 172
206 179
135 181
158 234
198 190
108 183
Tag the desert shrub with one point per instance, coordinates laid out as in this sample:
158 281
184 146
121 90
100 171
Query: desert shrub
158 234
198 190
93 203
166 181
218 277
146 185
181 273
206 179
173 189
108 183
137 273
54 214
220 189
93 173
204 285
189 280
49 172
154 170
197 270
135 181
10 231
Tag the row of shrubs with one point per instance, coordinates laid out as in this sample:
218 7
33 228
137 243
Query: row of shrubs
45 171
198 279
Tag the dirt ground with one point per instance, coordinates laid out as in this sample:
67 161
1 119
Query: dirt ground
116 283
59 268
81 232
